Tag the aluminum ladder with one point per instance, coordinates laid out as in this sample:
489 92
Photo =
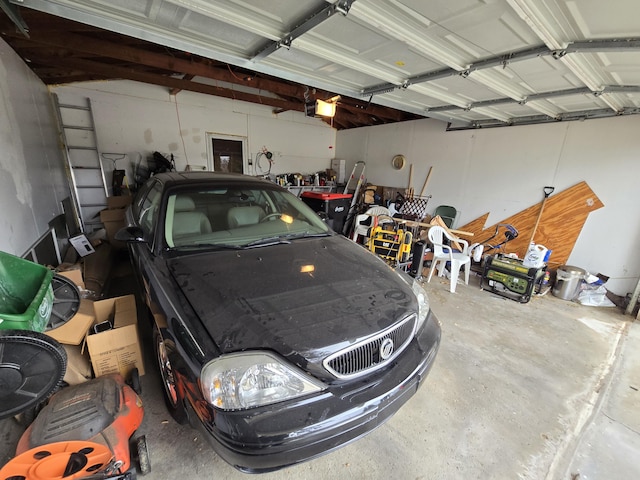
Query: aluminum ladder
77 130
353 186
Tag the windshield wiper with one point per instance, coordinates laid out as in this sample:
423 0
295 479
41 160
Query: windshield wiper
295 236
205 246
263 242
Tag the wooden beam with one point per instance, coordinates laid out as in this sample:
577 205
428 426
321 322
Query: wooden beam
115 72
364 110
175 91
138 56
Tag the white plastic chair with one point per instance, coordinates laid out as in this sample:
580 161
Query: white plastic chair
444 253
360 229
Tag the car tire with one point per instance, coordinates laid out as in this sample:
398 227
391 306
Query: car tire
164 354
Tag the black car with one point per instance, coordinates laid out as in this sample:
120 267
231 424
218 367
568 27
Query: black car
278 338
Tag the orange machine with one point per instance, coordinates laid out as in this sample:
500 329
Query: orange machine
83 432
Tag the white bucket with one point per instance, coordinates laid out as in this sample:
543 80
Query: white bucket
535 256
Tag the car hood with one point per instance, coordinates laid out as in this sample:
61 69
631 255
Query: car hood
304 300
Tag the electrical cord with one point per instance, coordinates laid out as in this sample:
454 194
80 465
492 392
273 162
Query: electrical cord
269 157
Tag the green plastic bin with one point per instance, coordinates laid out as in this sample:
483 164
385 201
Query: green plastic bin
26 294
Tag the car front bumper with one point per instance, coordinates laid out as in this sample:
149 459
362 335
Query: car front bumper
269 438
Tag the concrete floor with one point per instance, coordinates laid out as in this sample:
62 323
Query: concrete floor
544 390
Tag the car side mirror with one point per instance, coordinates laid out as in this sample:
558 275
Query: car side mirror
130 234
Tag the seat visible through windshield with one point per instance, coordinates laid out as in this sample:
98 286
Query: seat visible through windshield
215 216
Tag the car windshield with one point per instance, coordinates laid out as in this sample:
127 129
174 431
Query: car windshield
214 217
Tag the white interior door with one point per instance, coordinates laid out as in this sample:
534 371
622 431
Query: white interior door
226 153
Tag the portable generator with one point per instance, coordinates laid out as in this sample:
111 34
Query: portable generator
509 278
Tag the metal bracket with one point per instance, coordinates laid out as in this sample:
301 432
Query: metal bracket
312 21
14 15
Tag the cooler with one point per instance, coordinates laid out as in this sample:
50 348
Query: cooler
335 205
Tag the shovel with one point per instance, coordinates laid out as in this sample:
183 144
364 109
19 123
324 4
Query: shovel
547 191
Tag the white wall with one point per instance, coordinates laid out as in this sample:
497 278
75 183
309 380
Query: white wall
32 179
504 170
136 118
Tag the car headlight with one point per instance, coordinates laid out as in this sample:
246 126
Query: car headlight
423 302
252 379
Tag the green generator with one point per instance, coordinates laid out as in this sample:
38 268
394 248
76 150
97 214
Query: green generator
508 277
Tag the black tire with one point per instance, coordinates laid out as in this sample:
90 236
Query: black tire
144 464
32 365
164 356
134 381
66 301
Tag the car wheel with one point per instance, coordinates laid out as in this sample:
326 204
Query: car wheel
167 376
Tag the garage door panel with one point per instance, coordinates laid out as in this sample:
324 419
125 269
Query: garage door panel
466 88
598 19
543 74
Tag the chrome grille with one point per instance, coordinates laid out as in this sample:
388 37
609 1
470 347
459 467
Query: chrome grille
365 356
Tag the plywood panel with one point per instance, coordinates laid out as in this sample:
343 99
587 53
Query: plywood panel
562 220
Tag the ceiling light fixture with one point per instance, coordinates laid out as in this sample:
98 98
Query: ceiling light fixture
322 108
325 109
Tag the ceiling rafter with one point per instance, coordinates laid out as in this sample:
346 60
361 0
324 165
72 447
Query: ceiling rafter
166 81
211 69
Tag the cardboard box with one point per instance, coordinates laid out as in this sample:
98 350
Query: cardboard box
78 365
75 275
113 217
75 330
119 202
117 350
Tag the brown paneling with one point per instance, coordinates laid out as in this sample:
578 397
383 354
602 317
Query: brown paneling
561 222
477 227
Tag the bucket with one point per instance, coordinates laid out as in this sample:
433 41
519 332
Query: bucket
536 256
568 281
26 294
